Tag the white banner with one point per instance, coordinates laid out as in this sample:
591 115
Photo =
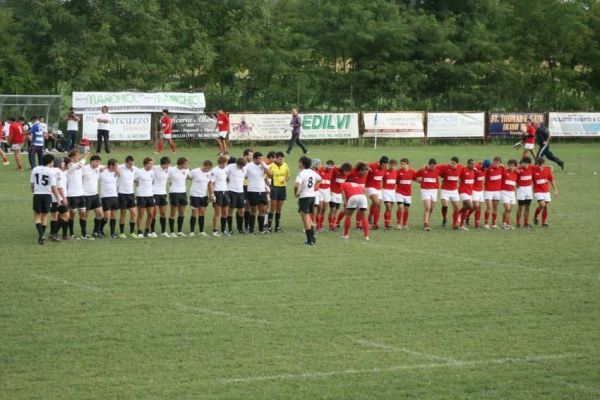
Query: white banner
394 125
574 124
90 102
123 126
277 126
448 125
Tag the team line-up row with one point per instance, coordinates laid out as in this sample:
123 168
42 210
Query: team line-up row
253 191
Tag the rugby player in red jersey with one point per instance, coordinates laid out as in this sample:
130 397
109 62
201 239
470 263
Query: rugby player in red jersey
359 175
450 173
404 179
493 191
354 198
326 174
388 194
166 129
524 191
543 178
478 197
374 185
338 176
465 192
529 140
222 130
428 178
509 183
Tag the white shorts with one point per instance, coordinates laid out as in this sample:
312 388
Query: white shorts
429 194
465 197
508 197
373 191
524 193
317 198
400 198
335 198
16 147
325 195
493 195
451 195
529 146
357 201
167 136
542 197
222 135
389 195
477 196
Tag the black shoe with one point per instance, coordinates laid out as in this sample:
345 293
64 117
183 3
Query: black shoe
308 243
278 230
561 165
54 238
444 223
41 240
536 222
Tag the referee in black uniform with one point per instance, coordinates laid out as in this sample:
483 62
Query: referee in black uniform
542 137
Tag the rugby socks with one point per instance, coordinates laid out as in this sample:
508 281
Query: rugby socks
387 218
180 224
201 223
83 226
477 216
65 228
53 227
444 213
405 217
270 221
230 223
71 227
537 213
39 229
239 221
247 219
376 214
486 217
193 224
261 223
399 216
251 222
365 226
132 227
97 224
172 224
113 225
340 217
223 224
308 233
163 224
277 220
455 215
122 228
347 224
494 217
544 215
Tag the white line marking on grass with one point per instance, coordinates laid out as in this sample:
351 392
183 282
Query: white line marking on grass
402 350
396 368
221 314
68 283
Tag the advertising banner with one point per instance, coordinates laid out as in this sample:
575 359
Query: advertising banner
394 125
449 125
277 126
123 127
194 126
90 102
511 124
574 124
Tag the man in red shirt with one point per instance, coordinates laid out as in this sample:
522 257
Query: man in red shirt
529 139
524 191
388 194
17 139
543 178
404 179
428 177
359 175
465 192
509 183
223 129
493 191
450 174
166 128
325 173
354 197
338 176
374 185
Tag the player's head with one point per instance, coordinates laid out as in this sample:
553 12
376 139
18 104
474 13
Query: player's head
304 162
165 161
526 161
182 163
67 161
316 163
279 156
112 165
329 164
129 161
432 163
148 163
271 156
12 119
294 111
248 154
404 163
165 112
22 119
241 162
42 119
346 167
383 161
512 164
222 161
486 164
539 161
95 160
536 124
58 163
454 162
257 158
206 165
74 155
392 164
104 109
362 168
219 111
497 161
470 163
47 160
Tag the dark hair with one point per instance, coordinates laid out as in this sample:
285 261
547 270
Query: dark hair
512 162
346 167
539 161
147 160
498 158
21 118
384 160
280 154
470 160
95 157
222 159
392 161
330 163
47 159
526 160
67 160
73 153
128 158
432 161
404 160
256 155
165 111
181 160
112 162
455 159
207 163
305 161
247 151
361 166
12 119
165 160
271 154
240 162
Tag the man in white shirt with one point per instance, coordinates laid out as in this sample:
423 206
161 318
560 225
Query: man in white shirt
72 129
161 177
235 184
109 196
90 175
217 192
200 178
104 120
43 186
257 193
305 189
177 195
59 212
144 179
126 196
75 192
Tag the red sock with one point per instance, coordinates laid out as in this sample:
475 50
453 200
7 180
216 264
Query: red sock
477 216
455 215
487 217
494 218
161 145
537 212
347 223
545 215
340 217
365 226
405 217
444 212
331 220
387 218
376 216
399 214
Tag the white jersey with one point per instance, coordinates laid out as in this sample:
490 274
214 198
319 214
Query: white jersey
90 178
307 178
161 176
235 178
200 181
108 184
61 182
104 125
72 125
178 178
145 180
43 178
126 178
44 127
75 180
256 178
218 176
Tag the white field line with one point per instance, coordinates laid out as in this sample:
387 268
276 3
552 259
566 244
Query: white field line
68 283
429 366
202 310
403 350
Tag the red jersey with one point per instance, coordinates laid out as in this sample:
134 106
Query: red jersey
15 133
480 174
404 180
356 177
166 124
389 179
325 175
375 176
450 176
429 178
541 179
509 180
493 179
530 137
223 122
352 189
337 178
467 180
525 176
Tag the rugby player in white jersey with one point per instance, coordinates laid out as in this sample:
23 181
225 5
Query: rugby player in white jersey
178 195
161 176
90 175
75 192
219 196
305 189
200 178
235 186
109 196
59 211
126 194
257 194
43 185
144 178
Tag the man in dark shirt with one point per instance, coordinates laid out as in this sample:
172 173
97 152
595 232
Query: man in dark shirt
542 137
296 125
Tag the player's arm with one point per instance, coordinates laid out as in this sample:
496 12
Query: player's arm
210 190
63 196
553 183
266 169
287 174
297 187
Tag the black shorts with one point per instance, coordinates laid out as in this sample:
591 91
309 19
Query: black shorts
146 202
524 202
236 200
110 203
256 198
306 205
76 203
178 199
199 202
403 203
42 203
160 200
221 199
126 201
92 202
61 209
278 193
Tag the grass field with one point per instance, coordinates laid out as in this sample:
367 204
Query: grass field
435 315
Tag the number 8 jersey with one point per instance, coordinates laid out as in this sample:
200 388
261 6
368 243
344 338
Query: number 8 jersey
307 179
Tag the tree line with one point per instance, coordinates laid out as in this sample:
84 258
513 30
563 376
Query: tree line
334 55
